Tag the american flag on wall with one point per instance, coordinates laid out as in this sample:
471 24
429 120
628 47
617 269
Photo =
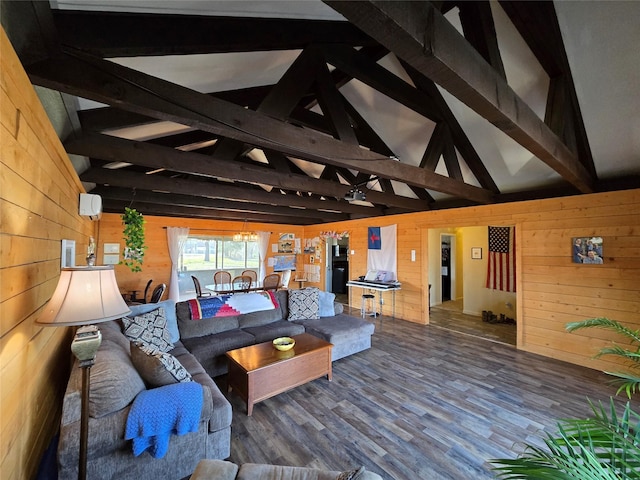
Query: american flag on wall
501 268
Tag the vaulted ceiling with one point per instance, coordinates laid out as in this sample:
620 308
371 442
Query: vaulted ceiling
272 111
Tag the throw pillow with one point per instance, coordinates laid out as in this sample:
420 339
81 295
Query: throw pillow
326 304
303 304
169 313
351 474
149 329
158 368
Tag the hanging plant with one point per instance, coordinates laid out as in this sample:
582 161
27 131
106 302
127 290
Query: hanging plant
133 232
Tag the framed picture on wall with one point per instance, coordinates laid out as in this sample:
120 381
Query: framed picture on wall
68 253
476 253
587 250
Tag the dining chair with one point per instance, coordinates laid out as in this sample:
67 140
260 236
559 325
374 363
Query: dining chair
271 282
146 291
199 292
156 296
242 283
221 278
253 274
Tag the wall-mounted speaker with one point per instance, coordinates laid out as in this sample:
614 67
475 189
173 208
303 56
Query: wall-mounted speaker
90 206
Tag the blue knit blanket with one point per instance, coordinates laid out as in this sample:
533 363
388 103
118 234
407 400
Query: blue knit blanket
160 412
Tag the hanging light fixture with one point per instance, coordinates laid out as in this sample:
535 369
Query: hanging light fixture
245 235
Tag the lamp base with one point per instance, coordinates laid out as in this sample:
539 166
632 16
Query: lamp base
86 343
85 346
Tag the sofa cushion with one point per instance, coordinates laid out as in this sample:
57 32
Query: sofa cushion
207 349
205 326
303 304
251 471
339 328
149 329
281 328
257 319
169 313
214 469
158 368
115 382
325 304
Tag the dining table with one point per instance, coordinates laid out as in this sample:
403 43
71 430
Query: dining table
228 288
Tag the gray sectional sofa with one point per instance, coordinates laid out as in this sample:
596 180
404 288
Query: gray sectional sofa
209 338
200 347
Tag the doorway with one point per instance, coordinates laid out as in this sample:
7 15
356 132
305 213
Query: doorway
337 266
447 267
457 296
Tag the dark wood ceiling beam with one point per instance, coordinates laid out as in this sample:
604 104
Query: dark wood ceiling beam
115 149
460 138
537 23
110 118
450 157
116 206
159 183
281 99
333 107
435 147
172 199
184 140
418 33
111 34
278 161
114 84
360 66
480 31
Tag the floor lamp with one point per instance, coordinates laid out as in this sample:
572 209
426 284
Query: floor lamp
84 296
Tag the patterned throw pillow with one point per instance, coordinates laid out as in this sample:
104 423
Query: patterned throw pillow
304 304
351 474
158 368
149 330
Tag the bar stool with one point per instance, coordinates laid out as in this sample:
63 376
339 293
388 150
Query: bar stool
368 307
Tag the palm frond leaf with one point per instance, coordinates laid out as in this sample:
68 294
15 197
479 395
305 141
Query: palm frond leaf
605 446
603 322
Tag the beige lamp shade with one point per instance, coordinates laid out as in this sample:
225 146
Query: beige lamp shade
84 295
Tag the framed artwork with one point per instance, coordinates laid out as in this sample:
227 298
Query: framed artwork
476 253
284 262
587 250
68 253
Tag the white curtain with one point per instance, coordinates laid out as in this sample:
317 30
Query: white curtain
176 237
263 248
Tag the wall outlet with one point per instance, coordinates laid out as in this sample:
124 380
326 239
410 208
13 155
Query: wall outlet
508 305
413 255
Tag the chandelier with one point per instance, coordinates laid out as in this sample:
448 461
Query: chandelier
245 235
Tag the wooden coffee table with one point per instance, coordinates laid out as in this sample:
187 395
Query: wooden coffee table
260 371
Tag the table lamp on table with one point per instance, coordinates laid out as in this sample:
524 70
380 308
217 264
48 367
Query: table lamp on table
84 296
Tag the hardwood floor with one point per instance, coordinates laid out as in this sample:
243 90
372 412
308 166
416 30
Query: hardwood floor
422 403
448 315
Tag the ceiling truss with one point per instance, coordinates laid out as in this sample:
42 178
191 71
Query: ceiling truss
210 170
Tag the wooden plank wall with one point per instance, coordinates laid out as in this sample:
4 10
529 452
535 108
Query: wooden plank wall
38 207
551 289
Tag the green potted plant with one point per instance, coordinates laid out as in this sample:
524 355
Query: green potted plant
602 447
133 232
627 381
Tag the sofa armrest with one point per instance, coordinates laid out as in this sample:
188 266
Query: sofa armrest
214 470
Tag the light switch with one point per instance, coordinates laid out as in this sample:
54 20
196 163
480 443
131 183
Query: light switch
353 252
413 255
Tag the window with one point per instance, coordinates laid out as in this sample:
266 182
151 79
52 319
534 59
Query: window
204 253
